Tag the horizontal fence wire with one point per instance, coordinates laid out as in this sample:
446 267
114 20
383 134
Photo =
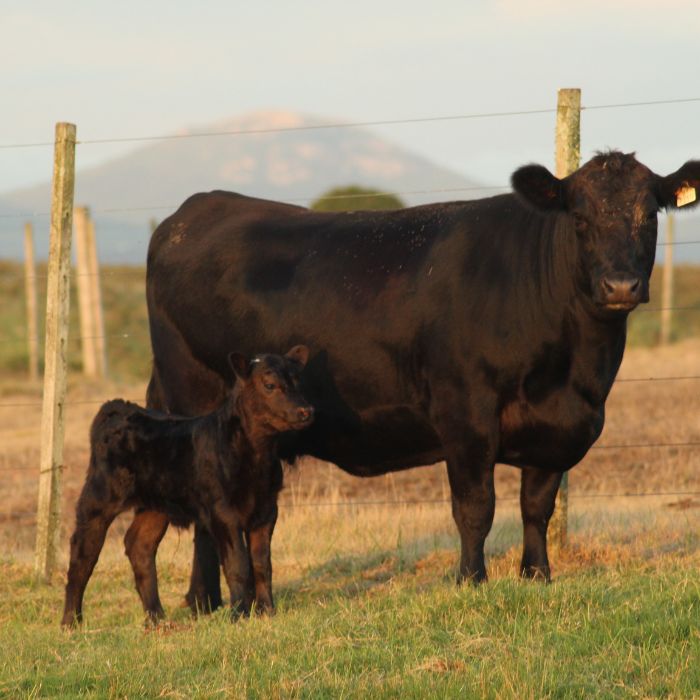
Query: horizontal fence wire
7 233
356 124
622 446
431 501
24 341
129 272
619 380
113 336
10 515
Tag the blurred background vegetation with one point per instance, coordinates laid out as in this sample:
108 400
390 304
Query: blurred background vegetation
355 198
126 319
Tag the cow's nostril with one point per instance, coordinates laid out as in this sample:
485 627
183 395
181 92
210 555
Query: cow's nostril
608 286
634 285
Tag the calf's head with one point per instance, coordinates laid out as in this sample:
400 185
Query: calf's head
612 203
266 393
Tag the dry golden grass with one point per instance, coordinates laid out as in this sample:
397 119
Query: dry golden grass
322 520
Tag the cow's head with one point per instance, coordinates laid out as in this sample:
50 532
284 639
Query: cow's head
612 202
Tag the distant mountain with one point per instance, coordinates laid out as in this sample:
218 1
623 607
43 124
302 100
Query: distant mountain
298 165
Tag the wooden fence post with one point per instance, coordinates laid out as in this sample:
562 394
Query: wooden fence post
55 357
667 285
30 295
85 303
96 296
567 159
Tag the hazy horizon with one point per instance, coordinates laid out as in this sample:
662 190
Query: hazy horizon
133 70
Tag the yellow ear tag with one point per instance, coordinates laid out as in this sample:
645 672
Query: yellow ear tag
685 195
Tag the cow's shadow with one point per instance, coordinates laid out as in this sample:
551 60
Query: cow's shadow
422 562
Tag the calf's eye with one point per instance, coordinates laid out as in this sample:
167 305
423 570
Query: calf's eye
269 387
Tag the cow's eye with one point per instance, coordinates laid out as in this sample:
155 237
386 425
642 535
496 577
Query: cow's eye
651 216
269 387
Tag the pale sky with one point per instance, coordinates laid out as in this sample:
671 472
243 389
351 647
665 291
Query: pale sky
127 68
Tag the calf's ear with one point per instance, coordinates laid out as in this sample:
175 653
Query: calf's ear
239 364
680 189
300 353
539 188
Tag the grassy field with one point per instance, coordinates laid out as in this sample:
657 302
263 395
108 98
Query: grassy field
621 620
364 576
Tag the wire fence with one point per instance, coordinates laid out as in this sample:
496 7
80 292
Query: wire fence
355 124
688 444
394 503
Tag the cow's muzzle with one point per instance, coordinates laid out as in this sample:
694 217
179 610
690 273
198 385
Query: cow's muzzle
622 292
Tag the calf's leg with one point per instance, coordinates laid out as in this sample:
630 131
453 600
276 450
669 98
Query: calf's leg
538 491
259 540
141 544
85 546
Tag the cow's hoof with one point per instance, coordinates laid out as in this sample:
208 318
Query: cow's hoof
199 605
474 578
536 573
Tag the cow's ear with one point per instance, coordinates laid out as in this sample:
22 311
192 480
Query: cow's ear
539 188
300 353
239 364
680 189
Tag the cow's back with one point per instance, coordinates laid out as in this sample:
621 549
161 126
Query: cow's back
231 273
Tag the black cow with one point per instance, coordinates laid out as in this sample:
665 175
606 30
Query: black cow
475 332
220 469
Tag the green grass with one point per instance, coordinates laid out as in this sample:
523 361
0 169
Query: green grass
125 317
400 629
126 325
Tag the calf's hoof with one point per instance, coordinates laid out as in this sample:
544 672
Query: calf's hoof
263 608
240 609
154 618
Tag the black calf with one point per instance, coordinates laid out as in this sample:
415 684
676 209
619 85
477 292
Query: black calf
220 470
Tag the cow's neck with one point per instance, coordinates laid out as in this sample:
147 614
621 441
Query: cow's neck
598 341
554 305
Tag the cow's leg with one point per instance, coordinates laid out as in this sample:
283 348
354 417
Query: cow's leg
85 546
204 594
473 506
259 540
141 544
179 384
234 559
469 437
538 491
